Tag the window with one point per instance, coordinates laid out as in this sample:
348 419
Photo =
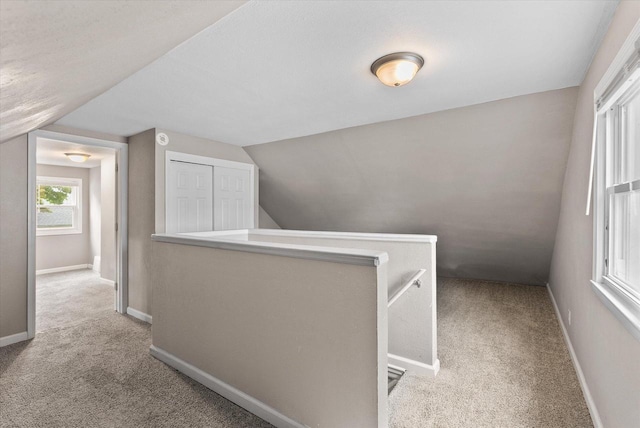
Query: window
58 206
616 277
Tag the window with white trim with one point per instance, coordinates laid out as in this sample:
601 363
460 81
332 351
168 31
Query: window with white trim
58 205
616 276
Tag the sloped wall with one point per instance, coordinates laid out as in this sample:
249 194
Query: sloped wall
13 236
607 353
486 179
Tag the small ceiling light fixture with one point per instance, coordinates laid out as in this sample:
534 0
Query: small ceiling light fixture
398 68
77 157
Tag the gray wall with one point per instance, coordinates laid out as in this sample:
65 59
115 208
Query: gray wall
486 179
306 337
146 199
265 221
607 353
108 252
13 236
95 214
13 229
54 251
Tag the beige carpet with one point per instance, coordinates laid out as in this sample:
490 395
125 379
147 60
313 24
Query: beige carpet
90 367
503 364
67 298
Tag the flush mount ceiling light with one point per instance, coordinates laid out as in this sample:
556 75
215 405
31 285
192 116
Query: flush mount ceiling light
77 157
398 68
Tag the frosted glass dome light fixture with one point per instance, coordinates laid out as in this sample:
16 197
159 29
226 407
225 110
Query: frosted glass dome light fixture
77 157
398 68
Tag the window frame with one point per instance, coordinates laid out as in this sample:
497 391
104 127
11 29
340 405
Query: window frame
77 210
613 92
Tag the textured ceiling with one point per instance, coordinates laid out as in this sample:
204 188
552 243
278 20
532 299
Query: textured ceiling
282 69
57 55
487 179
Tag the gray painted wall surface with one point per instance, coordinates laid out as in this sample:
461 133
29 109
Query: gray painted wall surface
412 321
146 199
108 247
265 221
608 354
54 251
95 214
141 218
486 179
13 236
306 337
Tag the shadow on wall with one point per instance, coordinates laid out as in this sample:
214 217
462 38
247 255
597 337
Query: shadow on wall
487 179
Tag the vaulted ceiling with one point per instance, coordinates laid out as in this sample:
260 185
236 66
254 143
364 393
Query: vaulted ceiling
473 150
57 55
281 69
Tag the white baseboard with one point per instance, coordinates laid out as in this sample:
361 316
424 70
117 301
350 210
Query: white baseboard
108 282
593 410
62 269
14 338
413 365
140 315
96 264
254 406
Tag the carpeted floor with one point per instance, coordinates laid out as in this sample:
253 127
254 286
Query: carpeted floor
503 364
90 367
503 360
67 298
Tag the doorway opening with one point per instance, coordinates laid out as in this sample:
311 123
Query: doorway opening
77 229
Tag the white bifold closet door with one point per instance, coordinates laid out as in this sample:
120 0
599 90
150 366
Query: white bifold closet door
189 197
232 199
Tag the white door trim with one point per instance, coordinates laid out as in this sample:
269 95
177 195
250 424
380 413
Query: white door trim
204 160
122 156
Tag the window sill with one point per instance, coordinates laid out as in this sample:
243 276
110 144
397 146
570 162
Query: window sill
623 306
58 232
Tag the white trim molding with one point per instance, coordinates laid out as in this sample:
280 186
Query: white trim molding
213 162
327 254
393 237
139 315
77 227
623 306
62 269
591 404
414 366
108 281
253 405
626 50
14 338
621 76
122 180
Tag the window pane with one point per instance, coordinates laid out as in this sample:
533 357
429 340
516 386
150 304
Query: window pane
624 238
631 143
57 195
52 217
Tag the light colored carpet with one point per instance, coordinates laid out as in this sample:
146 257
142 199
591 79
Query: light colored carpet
90 367
503 364
67 298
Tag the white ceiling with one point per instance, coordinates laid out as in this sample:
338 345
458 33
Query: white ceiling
57 55
282 69
51 152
